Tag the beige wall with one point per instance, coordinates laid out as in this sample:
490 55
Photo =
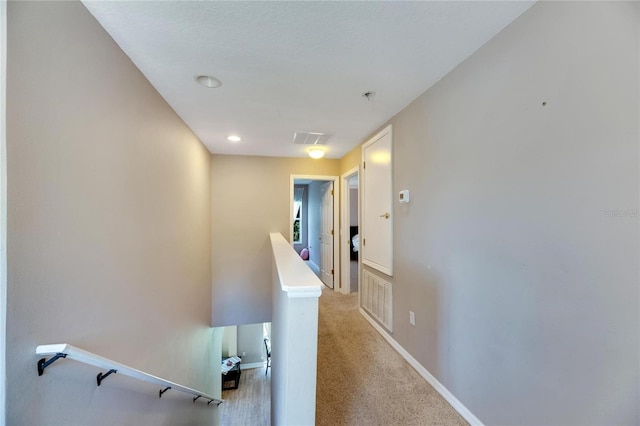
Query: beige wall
109 207
229 340
351 160
251 343
251 197
519 249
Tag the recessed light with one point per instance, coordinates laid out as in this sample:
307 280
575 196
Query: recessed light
207 81
316 153
234 138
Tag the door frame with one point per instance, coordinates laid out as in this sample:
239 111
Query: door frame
345 203
337 282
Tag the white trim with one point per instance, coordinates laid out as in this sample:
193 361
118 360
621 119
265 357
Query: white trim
442 390
312 265
3 207
252 365
345 207
336 219
388 270
295 278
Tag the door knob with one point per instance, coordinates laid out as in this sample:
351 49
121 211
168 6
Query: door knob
386 215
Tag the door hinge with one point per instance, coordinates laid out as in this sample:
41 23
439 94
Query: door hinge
332 232
332 192
332 272
364 242
364 164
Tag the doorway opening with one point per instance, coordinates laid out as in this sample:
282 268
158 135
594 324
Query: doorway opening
350 237
314 225
245 377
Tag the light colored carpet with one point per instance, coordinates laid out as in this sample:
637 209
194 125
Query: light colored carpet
362 380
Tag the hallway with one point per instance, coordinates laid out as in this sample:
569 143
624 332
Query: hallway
362 380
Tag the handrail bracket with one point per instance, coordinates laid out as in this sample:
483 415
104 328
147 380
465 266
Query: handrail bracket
101 376
43 363
161 391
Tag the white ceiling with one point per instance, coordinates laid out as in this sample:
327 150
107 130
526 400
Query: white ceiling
296 66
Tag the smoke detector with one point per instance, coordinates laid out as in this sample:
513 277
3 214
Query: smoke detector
368 95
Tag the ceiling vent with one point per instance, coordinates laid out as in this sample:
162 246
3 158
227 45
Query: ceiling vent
304 138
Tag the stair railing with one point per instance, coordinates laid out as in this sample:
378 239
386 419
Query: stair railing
64 350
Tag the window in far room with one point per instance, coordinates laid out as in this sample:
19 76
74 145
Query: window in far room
297 215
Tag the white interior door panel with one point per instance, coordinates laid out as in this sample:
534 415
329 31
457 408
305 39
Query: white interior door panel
326 234
376 239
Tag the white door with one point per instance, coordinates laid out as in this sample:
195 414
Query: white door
326 234
376 240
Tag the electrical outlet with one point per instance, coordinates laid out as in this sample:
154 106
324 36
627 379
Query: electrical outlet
412 318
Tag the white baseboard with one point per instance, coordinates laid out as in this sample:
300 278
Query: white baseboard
455 403
315 268
252 365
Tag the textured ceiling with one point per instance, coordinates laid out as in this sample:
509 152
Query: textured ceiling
292 67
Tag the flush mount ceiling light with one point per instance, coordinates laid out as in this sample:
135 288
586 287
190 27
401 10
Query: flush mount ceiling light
234 138
207 81
316 153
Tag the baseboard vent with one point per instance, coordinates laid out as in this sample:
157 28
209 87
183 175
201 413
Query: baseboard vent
377 298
